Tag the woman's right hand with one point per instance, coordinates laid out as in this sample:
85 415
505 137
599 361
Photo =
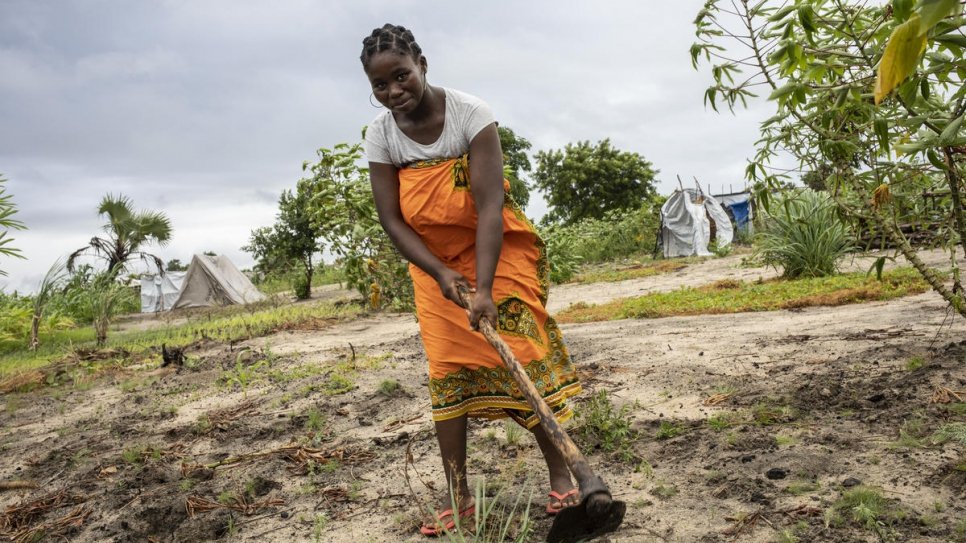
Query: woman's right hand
450 282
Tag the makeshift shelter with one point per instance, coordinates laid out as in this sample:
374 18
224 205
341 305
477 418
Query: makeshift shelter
739 207
686 219
158 293
214 280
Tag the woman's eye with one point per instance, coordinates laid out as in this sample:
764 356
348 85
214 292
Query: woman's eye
379 86
402 76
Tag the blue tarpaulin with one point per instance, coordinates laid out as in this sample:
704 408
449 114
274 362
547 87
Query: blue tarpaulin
740 211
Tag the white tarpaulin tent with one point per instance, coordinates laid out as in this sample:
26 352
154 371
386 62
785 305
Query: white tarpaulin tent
686 224
214 280
159 293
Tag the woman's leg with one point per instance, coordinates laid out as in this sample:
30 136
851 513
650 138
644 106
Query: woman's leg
451 435
560 481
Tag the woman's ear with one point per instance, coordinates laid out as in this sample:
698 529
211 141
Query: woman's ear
423 63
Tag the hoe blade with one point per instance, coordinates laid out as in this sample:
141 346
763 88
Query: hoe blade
575 524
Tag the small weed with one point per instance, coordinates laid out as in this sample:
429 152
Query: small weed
939 506
958 409
785 440
766 415
338 384
929 521
802 487
315 421
664 491
722 421
959 530
600 423
863 506
792 533
912 434
187 484
669 429
137 454
226 497
319 525
389 387
955 432
512 432
915 363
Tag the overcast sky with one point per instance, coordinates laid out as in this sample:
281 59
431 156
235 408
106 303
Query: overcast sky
206 109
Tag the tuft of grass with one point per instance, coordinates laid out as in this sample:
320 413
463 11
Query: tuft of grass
319 525
765 414
955 432
500 518
864 506
389 387
668 429
802 487
915 363
769 295
600 423
315 420
664 491
512 432
635 271
723 421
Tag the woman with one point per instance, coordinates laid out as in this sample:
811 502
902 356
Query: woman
436 170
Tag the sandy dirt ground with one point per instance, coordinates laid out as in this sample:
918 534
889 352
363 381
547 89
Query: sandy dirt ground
744 426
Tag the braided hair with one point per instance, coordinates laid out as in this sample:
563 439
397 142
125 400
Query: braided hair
390 38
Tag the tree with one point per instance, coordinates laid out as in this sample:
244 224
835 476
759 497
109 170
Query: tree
7 223
175 265
587 181
49 286
874 92
515 162
127 232
343 206
298 231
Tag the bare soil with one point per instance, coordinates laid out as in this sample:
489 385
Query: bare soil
837 395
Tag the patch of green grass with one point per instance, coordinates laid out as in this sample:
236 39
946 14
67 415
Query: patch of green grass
338 383
389 387
600 423
767 414
863 506
768 295
634 271
664 491
229 323
319 525
512 432
315 420
915 363
187 484
954 432
913 434
959 530
958 409
785 440
797 488
139 453
723 421
226 497
668 429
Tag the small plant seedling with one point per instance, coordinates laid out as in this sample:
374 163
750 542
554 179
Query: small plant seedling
915 363
664 491
315 420
512 432
226 497
319 525
802 487
389 387
668 429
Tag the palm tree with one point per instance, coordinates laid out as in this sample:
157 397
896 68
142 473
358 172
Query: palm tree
45 294
127 231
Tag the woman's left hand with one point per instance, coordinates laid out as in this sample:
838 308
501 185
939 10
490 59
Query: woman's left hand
482 307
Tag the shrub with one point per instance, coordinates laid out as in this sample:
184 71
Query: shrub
803 235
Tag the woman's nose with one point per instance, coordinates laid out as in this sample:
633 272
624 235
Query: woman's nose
395 90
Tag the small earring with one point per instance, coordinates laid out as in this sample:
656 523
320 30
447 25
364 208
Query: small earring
371 96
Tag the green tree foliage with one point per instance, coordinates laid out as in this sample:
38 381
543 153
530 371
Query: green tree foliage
344 209
7 223
586 181
48 289
127 232
294 239
175 265
875 91
515 163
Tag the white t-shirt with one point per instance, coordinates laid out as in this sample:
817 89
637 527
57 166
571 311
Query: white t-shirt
465 116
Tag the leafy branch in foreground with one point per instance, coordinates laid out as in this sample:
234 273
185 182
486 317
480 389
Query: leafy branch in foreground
8 223
872 96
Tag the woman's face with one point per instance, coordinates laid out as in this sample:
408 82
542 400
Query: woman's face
398 80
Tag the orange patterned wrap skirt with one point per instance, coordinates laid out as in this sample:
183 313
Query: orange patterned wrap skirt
466 375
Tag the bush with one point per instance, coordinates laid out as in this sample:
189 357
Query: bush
619 234
301 286
803 235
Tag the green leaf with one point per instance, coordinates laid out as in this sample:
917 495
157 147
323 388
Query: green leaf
877 266
924 88
841 95
933 11
902 9
882 134
949 133
781 14
935 160
783 91
957 40
900 58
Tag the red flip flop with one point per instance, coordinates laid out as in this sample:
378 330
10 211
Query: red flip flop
560 498
441 525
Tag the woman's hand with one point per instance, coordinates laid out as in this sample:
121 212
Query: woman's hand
450 282
482 307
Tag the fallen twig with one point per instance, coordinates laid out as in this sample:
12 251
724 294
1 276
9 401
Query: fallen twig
197 504
17 485
946 395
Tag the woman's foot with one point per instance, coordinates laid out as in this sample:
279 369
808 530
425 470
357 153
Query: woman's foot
562 494
445 519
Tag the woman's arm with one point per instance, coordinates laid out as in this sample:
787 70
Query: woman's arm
384 179
486 182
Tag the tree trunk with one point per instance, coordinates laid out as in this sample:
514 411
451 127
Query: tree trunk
100 330
34 332
929 274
